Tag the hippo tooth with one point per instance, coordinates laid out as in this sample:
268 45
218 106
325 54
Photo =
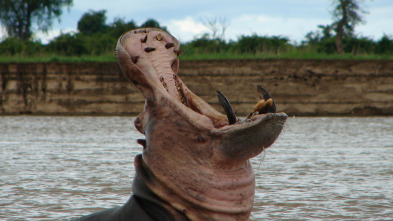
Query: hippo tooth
144 39
149 49
179 88
266 106
258 106
227 107
169 45
178 52
159 37
165 86
265 95
134 59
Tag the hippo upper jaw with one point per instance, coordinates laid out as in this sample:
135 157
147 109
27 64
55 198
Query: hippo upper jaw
194 157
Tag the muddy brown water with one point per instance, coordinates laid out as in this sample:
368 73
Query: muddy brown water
56 168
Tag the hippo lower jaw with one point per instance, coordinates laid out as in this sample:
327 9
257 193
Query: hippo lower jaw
194 157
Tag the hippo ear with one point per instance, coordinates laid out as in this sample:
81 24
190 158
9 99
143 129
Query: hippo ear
248 141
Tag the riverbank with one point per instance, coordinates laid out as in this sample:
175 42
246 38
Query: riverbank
300 87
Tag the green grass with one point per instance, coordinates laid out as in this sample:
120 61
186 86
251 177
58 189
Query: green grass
213 56
295 55
57 58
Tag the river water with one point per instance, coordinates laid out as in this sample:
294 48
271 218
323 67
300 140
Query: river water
55 168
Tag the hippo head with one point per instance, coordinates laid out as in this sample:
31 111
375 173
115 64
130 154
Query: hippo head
194 158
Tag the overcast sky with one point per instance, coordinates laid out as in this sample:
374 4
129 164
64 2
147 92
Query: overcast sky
183 18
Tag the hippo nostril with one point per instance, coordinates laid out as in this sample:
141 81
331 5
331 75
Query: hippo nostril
169 45
149 49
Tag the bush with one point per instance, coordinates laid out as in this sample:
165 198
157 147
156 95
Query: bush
96 38
99 44
261 44
361 45
327 46
92 22
205 45
15 46
68 44
119 27
384 46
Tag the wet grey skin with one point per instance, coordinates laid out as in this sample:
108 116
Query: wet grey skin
195 160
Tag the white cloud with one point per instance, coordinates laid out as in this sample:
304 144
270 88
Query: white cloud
378 23
293 19
189 25
3 32
186 29
51 34
294 28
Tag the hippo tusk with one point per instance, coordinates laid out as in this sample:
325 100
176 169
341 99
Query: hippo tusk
227 107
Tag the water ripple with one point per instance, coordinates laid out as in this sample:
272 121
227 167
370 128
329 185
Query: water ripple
319 169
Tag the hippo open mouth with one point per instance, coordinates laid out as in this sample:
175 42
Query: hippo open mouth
194 157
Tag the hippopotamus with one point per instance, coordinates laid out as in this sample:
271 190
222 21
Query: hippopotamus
195 160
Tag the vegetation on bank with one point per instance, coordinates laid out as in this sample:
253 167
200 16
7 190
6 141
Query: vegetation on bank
99 47
95 39
184 57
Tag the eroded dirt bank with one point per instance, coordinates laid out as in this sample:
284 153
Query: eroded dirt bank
299 87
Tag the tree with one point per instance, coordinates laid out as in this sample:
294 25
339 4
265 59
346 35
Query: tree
119 27
348 14
385 45
255 44
151 23
326 31
217 27
315 37
18 15
92 22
